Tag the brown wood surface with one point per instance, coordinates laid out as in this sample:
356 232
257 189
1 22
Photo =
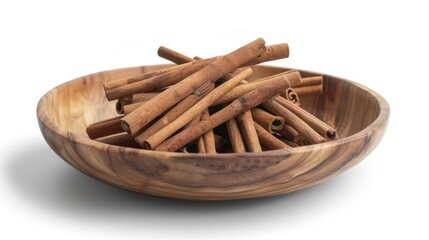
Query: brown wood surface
359 115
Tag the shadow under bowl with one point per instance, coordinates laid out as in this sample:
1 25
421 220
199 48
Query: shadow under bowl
359 114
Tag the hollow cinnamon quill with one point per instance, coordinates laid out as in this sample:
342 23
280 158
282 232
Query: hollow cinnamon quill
139 118
267 139
291 119
154 140
318 125
245 121
104 128
238 106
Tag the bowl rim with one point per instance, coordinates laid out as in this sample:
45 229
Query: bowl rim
44 119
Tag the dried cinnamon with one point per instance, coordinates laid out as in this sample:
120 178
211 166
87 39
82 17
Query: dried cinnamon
267 120
157 82
137 78
318 125
310 86
209 140
245 121
238 106
292 135
173 56
139 118
154 140
237 142
267 139
242 89
291 119
105 128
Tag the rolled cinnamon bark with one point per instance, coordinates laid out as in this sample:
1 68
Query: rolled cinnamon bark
175 112
242 89
267 139
237 142
139 97
267 120
318 125
186 116
294 79
121 139
173 56
288 142
310 86
201 148
311 81
292 135
137 78
294 121
209 140
291 95
309 90
139 118
133 99
238 106
105 128
273 52
245 121
156 82
127 109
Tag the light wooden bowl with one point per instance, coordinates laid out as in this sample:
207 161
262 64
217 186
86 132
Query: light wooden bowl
359 115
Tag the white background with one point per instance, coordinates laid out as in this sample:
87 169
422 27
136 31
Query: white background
381 45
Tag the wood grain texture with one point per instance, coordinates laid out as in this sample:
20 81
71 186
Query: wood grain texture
359 115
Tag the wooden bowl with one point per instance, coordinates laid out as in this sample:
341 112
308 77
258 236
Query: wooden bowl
359 114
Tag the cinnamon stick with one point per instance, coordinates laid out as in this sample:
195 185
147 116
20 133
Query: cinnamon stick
104 128
267 120
288 142
309 90
127 109
294 79
156 82
291 95
212 72
209 140
235 137
238 106
245 121
137 78
157 138
294 121
135 98
242 89
122 139
175 112
267 139
311 81
310 86
173 56
318 125
292 135
138 97
273 52
201 148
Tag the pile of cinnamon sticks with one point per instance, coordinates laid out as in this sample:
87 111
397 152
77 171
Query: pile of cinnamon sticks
207 106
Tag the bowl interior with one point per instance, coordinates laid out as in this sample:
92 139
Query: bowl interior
344 105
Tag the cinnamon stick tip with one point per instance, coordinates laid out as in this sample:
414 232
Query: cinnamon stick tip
146 145
160 49
332 134
125 126
119 107
278 123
